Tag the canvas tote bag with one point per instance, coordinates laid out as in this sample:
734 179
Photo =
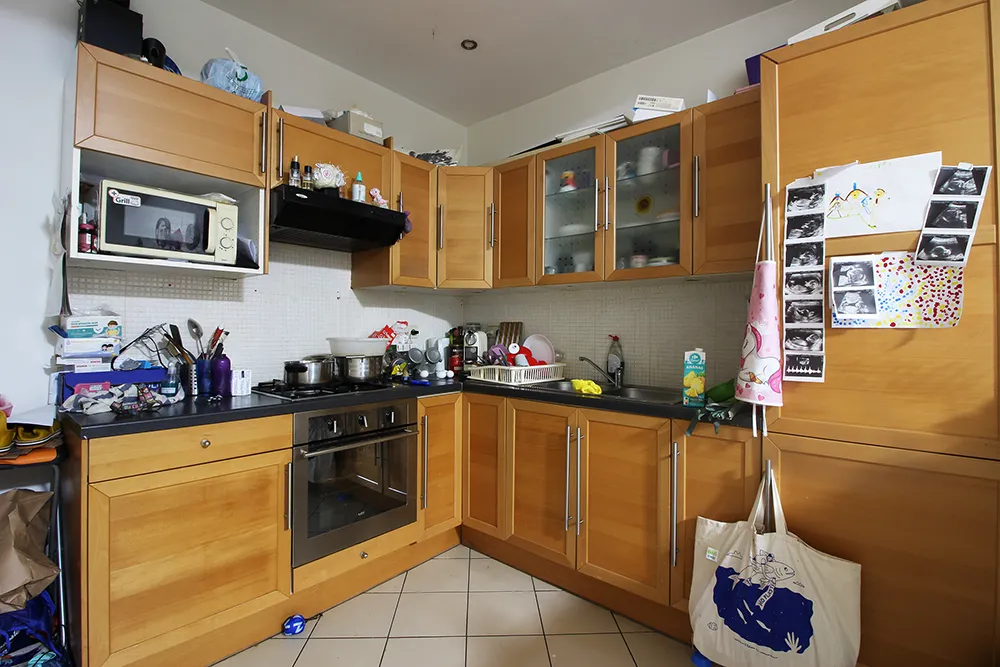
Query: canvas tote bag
769 598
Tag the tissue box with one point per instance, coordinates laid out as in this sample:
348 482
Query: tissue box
102 324
88 347
353 122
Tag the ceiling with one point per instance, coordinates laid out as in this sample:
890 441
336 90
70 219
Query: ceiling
527 48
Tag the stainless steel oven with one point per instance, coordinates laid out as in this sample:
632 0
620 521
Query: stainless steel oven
354 476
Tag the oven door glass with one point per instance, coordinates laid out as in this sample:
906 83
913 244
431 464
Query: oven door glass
153 222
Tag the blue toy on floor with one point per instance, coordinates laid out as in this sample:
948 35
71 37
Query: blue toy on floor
293 625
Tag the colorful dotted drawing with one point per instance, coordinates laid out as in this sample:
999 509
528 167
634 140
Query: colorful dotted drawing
911 296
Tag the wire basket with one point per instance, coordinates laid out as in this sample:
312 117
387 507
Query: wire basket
518 375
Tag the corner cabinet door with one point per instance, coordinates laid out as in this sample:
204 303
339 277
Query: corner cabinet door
484 479
570 213
649 179
541 455
728 199
440 419
924 528
125 107
173 554
465 204
624 501
717 478
513 227
414 189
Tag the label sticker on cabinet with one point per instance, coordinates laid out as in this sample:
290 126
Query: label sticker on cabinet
712 554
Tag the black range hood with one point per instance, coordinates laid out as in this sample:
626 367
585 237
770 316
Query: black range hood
319 220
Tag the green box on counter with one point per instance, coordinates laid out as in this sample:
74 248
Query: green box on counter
101 324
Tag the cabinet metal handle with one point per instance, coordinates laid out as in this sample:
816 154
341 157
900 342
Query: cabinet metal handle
607 196
406 433
423 496
768 518
579 515
400 201
697 186
597 207
281 148
364 555
263 142
568 517
440 226
288 496
206 443
493 225
673 507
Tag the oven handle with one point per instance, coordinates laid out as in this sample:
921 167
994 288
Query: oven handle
361 443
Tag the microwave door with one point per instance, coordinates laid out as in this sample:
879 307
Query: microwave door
151 225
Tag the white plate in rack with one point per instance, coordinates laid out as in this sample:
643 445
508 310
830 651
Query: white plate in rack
541 348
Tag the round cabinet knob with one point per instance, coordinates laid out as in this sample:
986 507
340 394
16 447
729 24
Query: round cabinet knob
227 223
226 242
364 555
206 443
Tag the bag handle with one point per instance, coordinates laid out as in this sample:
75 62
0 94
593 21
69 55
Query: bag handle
757 513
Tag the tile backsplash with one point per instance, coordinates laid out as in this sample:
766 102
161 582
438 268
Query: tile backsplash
656 321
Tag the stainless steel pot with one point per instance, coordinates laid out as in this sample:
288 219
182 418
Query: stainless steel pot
360 369
313 370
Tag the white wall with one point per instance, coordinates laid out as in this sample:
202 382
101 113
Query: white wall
714 60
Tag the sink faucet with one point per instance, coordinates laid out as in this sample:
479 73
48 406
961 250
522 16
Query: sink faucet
615 379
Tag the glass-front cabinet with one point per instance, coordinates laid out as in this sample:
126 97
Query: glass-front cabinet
569 219
648 224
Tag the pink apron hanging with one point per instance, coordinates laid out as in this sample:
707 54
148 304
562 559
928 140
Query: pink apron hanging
758 381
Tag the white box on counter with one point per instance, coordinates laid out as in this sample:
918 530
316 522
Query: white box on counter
88 347
358 124
102 323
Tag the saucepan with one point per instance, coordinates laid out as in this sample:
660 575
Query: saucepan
313 370
360 368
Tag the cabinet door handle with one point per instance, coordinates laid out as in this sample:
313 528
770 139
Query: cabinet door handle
440 226
607 196
288 496
206 443
673 507
426 459
597 207
493 226
697 186
579 516
281 148
400 201
263 142
568 517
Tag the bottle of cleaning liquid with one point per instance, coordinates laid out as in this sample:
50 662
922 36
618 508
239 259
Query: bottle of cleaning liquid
616 359
358 191
169 386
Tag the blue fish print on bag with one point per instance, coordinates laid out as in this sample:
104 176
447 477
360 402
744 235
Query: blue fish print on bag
752 606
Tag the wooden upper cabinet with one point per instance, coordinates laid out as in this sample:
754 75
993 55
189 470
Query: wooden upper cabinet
648 210
440 420
173 554
717 478
465 203
869 92
570 213
625 498
128 108
541 458
484 424
728 202
514 225
924 528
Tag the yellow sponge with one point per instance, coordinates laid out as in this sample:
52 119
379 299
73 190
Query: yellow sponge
587 387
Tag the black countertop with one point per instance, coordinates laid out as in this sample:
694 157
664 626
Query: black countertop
198 411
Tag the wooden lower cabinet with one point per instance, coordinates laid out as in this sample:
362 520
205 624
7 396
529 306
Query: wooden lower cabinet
173 554
541 442
441 464
924 528
717 477
623 503
484 423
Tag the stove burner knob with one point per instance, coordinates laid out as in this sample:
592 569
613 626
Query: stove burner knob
363 421
331 425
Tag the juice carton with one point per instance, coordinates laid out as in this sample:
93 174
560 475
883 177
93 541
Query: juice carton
694 378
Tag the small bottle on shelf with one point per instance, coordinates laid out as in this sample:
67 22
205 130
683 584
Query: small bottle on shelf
358 190
307 178
294 177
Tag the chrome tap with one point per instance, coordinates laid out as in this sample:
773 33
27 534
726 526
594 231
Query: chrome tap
617 379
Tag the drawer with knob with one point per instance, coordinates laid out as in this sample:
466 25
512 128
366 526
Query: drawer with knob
140 453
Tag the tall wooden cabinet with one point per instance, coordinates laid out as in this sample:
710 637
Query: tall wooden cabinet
514 226
465 227
440 420
484 423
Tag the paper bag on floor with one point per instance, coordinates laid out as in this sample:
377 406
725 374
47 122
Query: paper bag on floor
771 599
25 570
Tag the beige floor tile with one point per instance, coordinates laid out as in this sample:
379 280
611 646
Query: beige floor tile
486 574
425 652
475 554
270 653
565 614
507 652
310 625
430 615
503 614
341 653
394 585
544 585
628 625
368 615
444 575
461 551
652 649
589 651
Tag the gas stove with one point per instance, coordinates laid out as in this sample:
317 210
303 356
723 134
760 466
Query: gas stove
279 389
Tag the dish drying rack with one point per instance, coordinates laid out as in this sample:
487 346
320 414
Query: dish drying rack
518 375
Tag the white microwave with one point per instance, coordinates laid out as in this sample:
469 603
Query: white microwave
148 222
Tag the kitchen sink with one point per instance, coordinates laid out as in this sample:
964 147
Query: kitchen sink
555 385
646 394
